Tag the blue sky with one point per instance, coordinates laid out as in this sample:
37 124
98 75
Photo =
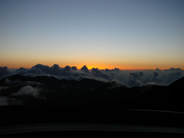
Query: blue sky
123 33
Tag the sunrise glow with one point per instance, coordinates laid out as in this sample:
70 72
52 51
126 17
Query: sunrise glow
100 34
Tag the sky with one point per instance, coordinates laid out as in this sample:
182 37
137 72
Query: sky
128 34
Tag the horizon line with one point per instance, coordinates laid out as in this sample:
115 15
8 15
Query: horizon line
91 67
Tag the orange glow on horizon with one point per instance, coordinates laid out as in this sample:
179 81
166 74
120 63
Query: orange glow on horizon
100 65
89 66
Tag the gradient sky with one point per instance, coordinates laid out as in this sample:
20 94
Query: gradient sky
129 34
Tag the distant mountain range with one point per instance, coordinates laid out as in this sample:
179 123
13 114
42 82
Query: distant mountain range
46 91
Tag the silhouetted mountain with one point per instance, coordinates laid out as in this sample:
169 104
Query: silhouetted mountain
87 93
178 84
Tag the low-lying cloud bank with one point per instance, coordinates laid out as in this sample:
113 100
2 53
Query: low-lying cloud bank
127 78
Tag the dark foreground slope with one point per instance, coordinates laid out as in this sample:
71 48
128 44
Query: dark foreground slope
44 91
45 106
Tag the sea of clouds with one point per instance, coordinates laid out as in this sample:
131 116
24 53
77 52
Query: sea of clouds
128 78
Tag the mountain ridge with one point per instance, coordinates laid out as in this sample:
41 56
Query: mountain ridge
87 93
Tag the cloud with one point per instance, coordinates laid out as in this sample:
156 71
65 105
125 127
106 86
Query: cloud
14 82
29 91
173 76
173 69
96 71
55 67
36 71
157 69
126 78
20 83
43 68
134 75
67 68
155 74
7 81
141 73
85 69
116 69
74 68
135 79
4 71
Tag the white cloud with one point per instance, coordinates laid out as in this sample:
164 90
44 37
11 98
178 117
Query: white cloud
28 90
